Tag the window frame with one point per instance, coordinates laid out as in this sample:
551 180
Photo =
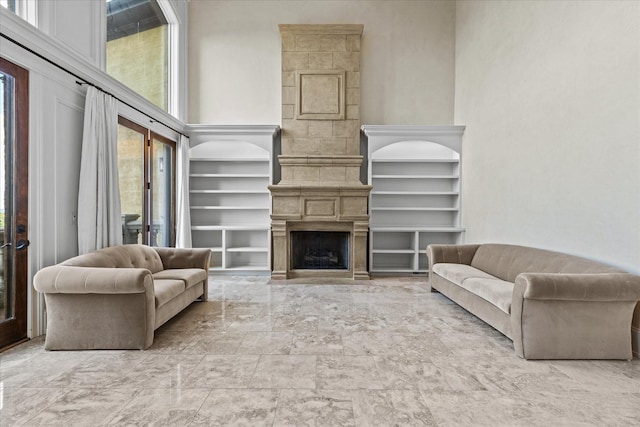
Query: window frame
176 71
147 184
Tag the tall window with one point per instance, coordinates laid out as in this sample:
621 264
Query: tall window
9 4
138 48
146 167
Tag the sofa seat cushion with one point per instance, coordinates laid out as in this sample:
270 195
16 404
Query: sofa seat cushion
189 276
458 273
167 289
497 292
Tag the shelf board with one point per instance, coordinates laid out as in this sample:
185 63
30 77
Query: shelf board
248 249
400 209
220 159
415 193
415 161
231 208
418 229
229 175
241 268
393 251
415 176
238 227
396 270
229 191
217 249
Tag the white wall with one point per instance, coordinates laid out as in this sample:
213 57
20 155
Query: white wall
407 58
550 95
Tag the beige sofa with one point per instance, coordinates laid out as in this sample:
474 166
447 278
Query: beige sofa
115 298
551 305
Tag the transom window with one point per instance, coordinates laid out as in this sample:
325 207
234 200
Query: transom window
138 48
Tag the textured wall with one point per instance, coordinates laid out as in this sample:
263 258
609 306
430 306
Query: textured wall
407 58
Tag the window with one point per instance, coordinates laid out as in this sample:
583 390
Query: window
9 4
138 48
146 168
25 9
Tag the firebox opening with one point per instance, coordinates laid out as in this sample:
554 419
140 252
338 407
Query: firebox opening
320 250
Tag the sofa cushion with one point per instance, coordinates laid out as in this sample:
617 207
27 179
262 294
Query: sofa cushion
497 292
125 256
190 276
507 261
166 289
457 273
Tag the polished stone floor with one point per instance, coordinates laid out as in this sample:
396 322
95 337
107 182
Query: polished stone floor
382 354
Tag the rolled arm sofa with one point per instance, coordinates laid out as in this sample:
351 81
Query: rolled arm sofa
551 305
116 297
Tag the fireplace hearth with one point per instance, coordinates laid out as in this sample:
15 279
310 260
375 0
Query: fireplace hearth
319 250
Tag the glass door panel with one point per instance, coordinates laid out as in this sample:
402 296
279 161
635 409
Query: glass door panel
132 140
14 180
162 186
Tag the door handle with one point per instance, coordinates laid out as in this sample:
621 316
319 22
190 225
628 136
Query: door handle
5 245
22 244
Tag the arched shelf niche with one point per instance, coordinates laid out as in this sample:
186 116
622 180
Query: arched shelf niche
231 168
415 199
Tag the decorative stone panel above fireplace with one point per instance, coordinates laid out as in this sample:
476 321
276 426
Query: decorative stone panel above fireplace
320 188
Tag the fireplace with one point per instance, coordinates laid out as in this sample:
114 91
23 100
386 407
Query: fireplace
320 197
319 250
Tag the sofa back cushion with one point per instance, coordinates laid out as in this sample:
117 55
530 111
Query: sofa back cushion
507 261
125 256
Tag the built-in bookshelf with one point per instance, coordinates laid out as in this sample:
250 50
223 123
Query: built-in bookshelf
230 171
415 199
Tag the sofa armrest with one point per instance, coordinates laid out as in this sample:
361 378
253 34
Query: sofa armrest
61 279
454 254
184 258
573 316
580 287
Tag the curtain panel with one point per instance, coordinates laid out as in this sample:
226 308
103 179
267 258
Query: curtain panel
99 221
183 214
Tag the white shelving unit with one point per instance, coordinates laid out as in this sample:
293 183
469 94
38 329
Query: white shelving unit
230 171
415 200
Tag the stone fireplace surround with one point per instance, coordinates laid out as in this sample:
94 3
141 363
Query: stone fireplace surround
320 188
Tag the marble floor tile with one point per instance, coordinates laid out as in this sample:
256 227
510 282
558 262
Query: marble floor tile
161 407
402 373
388 352
266 343
407 344
391 408
348 373
507 373
20 405
84 407
223 371
261 322
279 371
215 342
165 371
314 408
238 408
298 322
321 342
